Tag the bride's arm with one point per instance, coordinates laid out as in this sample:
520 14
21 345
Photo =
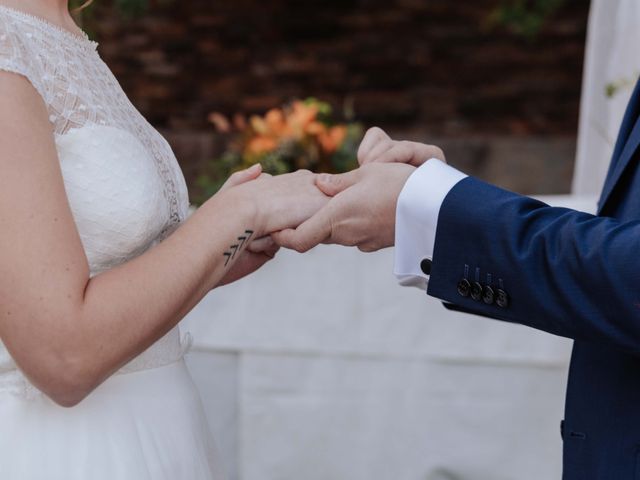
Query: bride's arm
68 333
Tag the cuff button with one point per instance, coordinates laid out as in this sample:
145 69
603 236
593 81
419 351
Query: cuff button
425 266
488 295
502 299
464 287
476 291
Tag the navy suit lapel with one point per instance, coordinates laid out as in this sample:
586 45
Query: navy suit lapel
626 145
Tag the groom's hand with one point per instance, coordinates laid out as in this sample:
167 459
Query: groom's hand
378 147
361 213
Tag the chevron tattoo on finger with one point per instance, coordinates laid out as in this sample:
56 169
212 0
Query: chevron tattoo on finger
233 249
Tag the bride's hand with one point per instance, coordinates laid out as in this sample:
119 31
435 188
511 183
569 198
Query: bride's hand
252 259
279 202
378 147
259 251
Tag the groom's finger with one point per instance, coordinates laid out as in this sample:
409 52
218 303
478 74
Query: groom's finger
413 153
378 151
401 152
423 152
373 136
331 185
311 233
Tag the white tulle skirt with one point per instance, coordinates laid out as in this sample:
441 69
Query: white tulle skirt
146 425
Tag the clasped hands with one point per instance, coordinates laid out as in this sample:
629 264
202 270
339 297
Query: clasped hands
361 211
301 210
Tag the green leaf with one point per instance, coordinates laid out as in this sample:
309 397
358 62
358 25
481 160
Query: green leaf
132 8
524 18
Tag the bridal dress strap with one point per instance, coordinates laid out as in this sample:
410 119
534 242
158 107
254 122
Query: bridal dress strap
17 56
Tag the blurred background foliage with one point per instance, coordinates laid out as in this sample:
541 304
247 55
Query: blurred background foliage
524 18
132 7
248 67
128 8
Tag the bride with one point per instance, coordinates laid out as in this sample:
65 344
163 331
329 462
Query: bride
99 263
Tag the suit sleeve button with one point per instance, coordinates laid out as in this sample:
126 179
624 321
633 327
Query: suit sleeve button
502 299
464 287
488 295
476 291
425 266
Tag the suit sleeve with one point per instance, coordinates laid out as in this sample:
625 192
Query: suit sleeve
510 257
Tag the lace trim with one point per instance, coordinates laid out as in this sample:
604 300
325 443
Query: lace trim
80 38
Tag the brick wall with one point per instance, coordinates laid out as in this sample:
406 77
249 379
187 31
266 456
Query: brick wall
423 68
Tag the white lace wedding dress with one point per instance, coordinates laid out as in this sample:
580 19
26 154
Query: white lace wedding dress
127 193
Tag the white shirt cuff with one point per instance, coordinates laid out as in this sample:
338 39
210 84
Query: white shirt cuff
417 219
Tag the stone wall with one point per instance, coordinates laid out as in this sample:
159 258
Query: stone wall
429 69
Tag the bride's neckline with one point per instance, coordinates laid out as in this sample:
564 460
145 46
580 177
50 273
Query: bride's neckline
79 37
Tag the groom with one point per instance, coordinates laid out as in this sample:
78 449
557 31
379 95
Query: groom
493 253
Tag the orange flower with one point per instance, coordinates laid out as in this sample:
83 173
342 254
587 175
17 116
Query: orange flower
239 121
261 144
258 124
220 122
331 140
315 128
275 121
301 115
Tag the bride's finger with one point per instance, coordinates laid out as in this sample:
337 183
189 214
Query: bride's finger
243 176
261 245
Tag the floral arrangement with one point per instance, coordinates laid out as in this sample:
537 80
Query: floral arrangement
301 135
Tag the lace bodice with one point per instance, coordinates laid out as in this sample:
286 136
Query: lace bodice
125 187
79 90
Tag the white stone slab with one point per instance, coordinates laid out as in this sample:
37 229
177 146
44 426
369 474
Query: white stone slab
339 300
317 418
216 377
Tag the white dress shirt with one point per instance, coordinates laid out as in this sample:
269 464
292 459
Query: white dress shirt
417 219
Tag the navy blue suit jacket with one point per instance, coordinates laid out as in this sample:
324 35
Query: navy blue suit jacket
570 274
